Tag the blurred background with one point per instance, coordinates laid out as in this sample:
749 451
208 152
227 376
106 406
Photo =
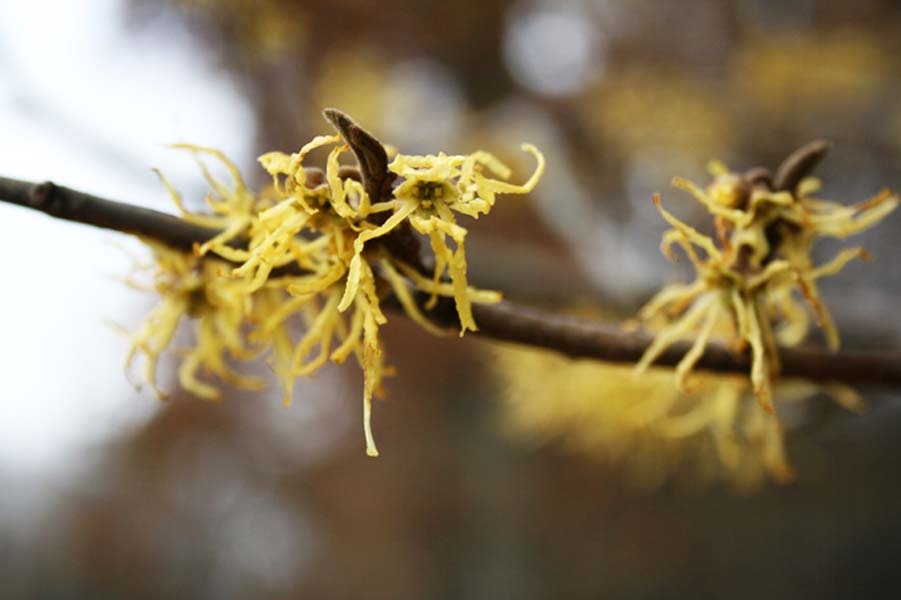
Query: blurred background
109 492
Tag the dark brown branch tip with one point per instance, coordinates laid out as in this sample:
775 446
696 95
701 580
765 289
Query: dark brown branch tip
759 176
377 181
369 151
339 119
799 164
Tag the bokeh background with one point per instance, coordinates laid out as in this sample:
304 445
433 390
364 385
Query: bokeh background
107 492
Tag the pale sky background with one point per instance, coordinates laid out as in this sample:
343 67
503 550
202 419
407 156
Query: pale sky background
92 106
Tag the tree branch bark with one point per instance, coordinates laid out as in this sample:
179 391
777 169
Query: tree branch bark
506 321
80 207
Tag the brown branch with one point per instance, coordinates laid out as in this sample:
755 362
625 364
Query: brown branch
586 338
72 205
575 337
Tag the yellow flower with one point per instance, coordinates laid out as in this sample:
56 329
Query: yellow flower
336 208
435 187
318 250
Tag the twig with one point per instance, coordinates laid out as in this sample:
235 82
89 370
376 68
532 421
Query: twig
575 337
72 205
799 164
586 338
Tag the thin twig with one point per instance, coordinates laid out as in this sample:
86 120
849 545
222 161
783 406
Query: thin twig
575 337
72 205
586 338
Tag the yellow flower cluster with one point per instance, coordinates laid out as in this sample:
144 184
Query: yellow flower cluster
189 286
754 278
647 426
312 248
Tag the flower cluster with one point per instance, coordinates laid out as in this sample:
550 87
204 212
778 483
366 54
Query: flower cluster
190 287
753 280
645 426
326 247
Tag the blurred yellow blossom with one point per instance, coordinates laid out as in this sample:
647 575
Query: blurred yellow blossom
784 76
261 30
655 431
190 287
647 108
367 67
